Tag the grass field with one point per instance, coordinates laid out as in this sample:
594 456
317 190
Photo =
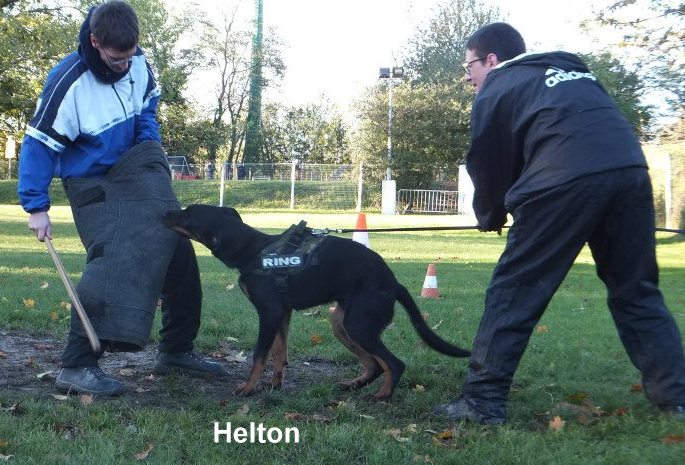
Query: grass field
574 369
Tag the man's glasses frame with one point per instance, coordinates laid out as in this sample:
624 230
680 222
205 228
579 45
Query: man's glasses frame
468 64
119 62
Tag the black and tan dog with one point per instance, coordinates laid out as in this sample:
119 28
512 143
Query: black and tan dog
297 270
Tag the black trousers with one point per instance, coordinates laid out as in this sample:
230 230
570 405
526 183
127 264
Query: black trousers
181 307
613 212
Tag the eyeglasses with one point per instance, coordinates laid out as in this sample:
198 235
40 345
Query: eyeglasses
467 65
119 62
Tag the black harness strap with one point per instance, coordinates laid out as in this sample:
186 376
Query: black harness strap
292 253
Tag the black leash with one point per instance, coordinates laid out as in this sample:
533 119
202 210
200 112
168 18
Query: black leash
438 228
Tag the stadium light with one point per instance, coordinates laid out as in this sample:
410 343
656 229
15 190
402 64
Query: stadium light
396 72
389 199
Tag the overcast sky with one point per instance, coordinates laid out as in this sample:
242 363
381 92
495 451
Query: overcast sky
335 47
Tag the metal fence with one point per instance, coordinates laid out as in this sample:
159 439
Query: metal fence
270 185
427 201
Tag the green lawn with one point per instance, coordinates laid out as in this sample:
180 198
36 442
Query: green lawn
575 368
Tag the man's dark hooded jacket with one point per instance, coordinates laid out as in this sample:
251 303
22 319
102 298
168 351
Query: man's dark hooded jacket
539 121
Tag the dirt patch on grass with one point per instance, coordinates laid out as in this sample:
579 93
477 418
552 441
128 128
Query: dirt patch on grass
29 365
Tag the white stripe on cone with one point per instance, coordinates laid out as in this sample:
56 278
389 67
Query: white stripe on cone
358 236
430 284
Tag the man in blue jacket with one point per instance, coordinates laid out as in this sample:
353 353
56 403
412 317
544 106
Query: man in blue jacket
551 148
97 116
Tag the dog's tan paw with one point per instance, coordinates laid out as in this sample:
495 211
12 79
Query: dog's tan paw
349 385
243 389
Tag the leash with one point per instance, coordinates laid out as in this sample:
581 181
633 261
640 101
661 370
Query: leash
325 231
427 228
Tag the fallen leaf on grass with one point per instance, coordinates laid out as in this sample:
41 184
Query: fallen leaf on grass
619 412
447 434
65 305
419 388
425 316
45 285
313 312
39 346
673 439
6 458
444 438
3 354
636 388
556 423
396 433
540 329
320 417
230 287
68 430
126 372
30 361
586 412
3 444
44 374
12 409
243 410
29 303
143 455
86 399
577 397
341 405
237 357
434 327
411 428
140 390
316 339
54 316
60 397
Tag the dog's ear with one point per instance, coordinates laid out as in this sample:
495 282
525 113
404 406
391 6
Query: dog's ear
231 212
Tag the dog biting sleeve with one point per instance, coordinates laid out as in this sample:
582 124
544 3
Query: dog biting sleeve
118 219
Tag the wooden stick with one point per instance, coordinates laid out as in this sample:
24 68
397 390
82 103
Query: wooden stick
71 290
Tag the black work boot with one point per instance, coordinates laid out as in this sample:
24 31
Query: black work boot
461 409
188 363
88 380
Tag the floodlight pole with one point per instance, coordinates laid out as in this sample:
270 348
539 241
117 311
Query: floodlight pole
389 199
388 173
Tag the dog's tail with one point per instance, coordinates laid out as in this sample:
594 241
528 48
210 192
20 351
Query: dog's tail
429 337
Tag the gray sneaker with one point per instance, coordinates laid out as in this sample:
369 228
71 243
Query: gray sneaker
88 380
461 410
187 363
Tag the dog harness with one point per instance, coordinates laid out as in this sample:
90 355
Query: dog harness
292 253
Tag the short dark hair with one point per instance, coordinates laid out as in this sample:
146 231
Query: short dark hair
115 24
498 38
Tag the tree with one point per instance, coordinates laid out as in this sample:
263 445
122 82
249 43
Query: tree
253 133
624 86
160 39
431 107
436 51
226 52
314 133
33 38
654 32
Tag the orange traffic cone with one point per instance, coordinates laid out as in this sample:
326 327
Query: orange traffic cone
361 237
430 284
